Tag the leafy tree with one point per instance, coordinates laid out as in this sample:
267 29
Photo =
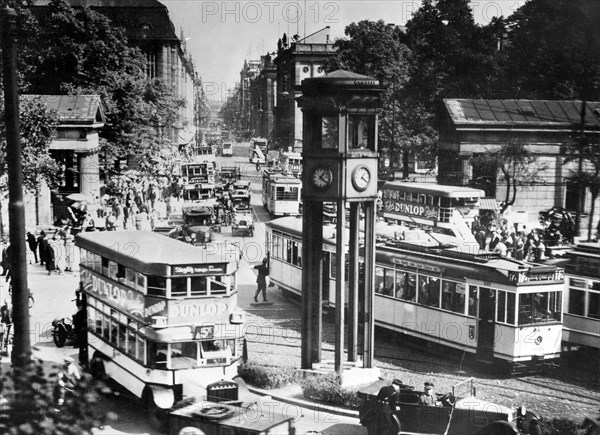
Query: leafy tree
518 168
375 49
31 403
79 51
37 125
553 49
450 57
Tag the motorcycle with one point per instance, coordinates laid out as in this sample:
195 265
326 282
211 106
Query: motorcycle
63 331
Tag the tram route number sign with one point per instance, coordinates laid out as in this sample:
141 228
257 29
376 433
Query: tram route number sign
530 276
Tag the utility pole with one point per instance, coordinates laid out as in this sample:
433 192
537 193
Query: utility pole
21 353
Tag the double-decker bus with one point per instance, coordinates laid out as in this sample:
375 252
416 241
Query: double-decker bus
198 171
162 315
433 287
258 150
436 207
281 193
205 153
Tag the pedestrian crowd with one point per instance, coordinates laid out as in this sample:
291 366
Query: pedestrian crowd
520 242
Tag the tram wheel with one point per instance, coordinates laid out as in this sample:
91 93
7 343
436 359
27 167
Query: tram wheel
156 416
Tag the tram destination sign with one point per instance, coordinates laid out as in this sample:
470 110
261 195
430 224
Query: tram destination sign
199 269
532 276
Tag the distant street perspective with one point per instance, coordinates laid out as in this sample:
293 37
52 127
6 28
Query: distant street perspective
300 218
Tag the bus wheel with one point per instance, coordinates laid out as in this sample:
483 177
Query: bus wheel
156 416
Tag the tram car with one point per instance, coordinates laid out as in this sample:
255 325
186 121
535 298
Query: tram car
281 193
582 297
432 287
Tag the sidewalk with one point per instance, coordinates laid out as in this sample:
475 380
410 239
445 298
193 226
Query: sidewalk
293 395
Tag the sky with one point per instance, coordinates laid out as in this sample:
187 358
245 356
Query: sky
220 35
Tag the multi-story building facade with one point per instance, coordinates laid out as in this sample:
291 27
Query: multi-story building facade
248 73
263 90
296 61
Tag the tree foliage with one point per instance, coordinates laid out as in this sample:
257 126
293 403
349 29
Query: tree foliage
553 50
31 403
37 125
79 51
517 166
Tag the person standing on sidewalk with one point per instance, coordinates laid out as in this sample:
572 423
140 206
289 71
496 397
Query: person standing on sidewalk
261 280
33 244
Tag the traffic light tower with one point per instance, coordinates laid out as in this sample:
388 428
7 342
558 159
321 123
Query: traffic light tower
340 156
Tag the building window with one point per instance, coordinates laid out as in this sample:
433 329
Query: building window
69 174
574 196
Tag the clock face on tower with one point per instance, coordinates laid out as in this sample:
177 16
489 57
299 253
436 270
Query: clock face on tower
361 177
321 177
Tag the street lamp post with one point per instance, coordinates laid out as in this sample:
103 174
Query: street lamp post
18 254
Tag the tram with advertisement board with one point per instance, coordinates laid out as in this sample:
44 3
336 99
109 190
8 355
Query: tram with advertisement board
163 320
433 287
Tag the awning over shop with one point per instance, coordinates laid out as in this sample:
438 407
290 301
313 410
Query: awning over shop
186 135
488 204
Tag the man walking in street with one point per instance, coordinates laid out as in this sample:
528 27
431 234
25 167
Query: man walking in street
261 280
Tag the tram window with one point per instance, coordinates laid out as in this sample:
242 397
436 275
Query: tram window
184 355
408 286
198 286
453 297
510 308
112 270
473 296
538 307
141 346
501 306
594 305
429 291
179 287
576 301
384 283
157 285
